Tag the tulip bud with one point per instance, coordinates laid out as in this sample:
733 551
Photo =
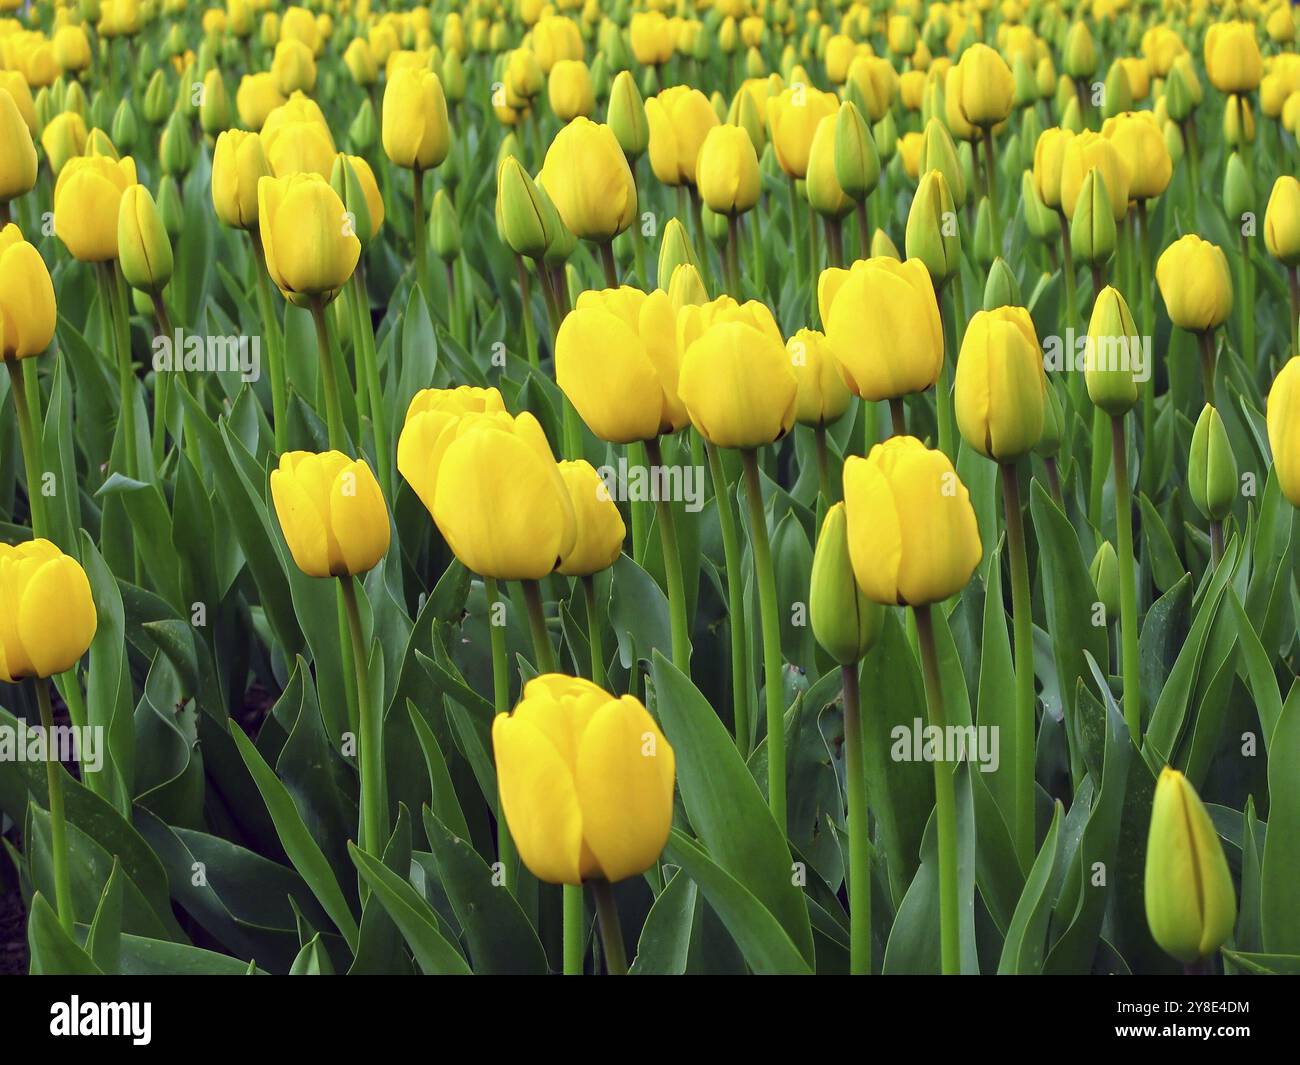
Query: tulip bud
1053 425
1282 221
523 219
170 206
675 249
1182 92
50 616
416 130
1093 232
626 116
27 307
1105 578
821 185
176 151
999 390
1283 419
939 153
125 126
745 114
1211 467
882 247
563 241
1112 347
143 249
1026 86
1191 905
1118 96
445 227
587 177
931 235
727 171
1040 219
1195 283
985 248
17 152
307 235
1001 290
1238 192
331 510
1080 58
885 135
686 287
857 166
844 621
453 76
346 183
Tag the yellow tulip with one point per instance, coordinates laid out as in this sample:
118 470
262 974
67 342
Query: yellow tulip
416 130
1000 391
569 89
143 247
27 308
690 118
912 534
555 40
822 396
985 87
1232 58
792 119
499 499
293 67
1195 283
587 178
238 164
257 96
64 138
1190 903
331 512
1091 151
736 380
429 414
300 148
307 237
1283 418
727 171
86 200
1049 161
882 323
17 152
586 781
600 528
1141 145
616 360
651 38
47 613
1282 221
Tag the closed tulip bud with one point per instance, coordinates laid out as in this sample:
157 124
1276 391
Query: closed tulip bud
912 534
416 130
985 87
744 112
569 89
882 322
98 143
364 128
157 100
331 512
885 134
985 248
308 237
1183 92
563 241
215 112
1195 284
1112 345
616 359
727 171
238 163
1053 425
170 207
63 138
86 200
1191 905
931 233
938 152
144 250
857 166
627 117
125 126
1026 85
294 67
1041 220
1000 289
845 622
822 187
49 612
736 380
1080 57
1211 467
444 227
675 249
1283 418
601 531
27 308
792 118
1141 145
597 808
257 96
522 218
1045 75
1232 58
1118 96
1093 233
176 150
354 182
822 395
1239 192
1084 153
909 155
361 63
686 287
17 152
1282 221
1238 122
1000 388
498 497
587 177
1104 571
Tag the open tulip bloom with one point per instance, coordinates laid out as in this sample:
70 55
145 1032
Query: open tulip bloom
776 488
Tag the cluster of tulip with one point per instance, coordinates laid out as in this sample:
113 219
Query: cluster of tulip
849 351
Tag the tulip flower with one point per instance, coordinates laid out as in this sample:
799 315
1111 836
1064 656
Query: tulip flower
1197 289
1190 903
27 310
1212 475
144 250
569 89
1283 418
86 199
1232 58
600 528
310 250
17 152
793 118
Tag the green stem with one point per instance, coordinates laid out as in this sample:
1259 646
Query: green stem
593 632
990 188
611 932
608 262
943 388
945 801
106 273
33 460
575 925
417 229
1293 283
542 649
1216 543
1206 340
855 786
333 408
526 298
1071 302
274 348
672 570
1145 283
1127 581
1247 298
1023 624
732 559
636 458
506 852
58 824
370 739
369 370
765 578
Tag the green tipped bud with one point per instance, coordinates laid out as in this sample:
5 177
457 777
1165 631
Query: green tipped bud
601 78
1093 233
755 64
938 152
364 130
215 113
1190 902
453 77
126 127
649 82
844 621
444 227
857 166
1113 349
1022 73
715 225
187 100
744 113
157 100
346 182
143 250
1211 467
1238 122
931 233
563 241
1118 97
1072 116
1080 59
1174 142
170 206
883 247
99 143
1040 219
1105 578
74 99
1053 424
719 104
686 287
1065 92
885 134
176 150
1180 97
1238 191
1031 128
626 116
674 249
101 110
1001 290
524 222
984 244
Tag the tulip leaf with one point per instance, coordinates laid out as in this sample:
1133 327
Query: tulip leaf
312 960
53 951
665 944
724 804
104 938
1025 945
1280 872
445 805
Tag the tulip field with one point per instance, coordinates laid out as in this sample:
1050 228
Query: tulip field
649 487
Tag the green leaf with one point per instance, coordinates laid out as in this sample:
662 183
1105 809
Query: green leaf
104 940
445 804
312 960
665 944
1025 946
53 951
1280 873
